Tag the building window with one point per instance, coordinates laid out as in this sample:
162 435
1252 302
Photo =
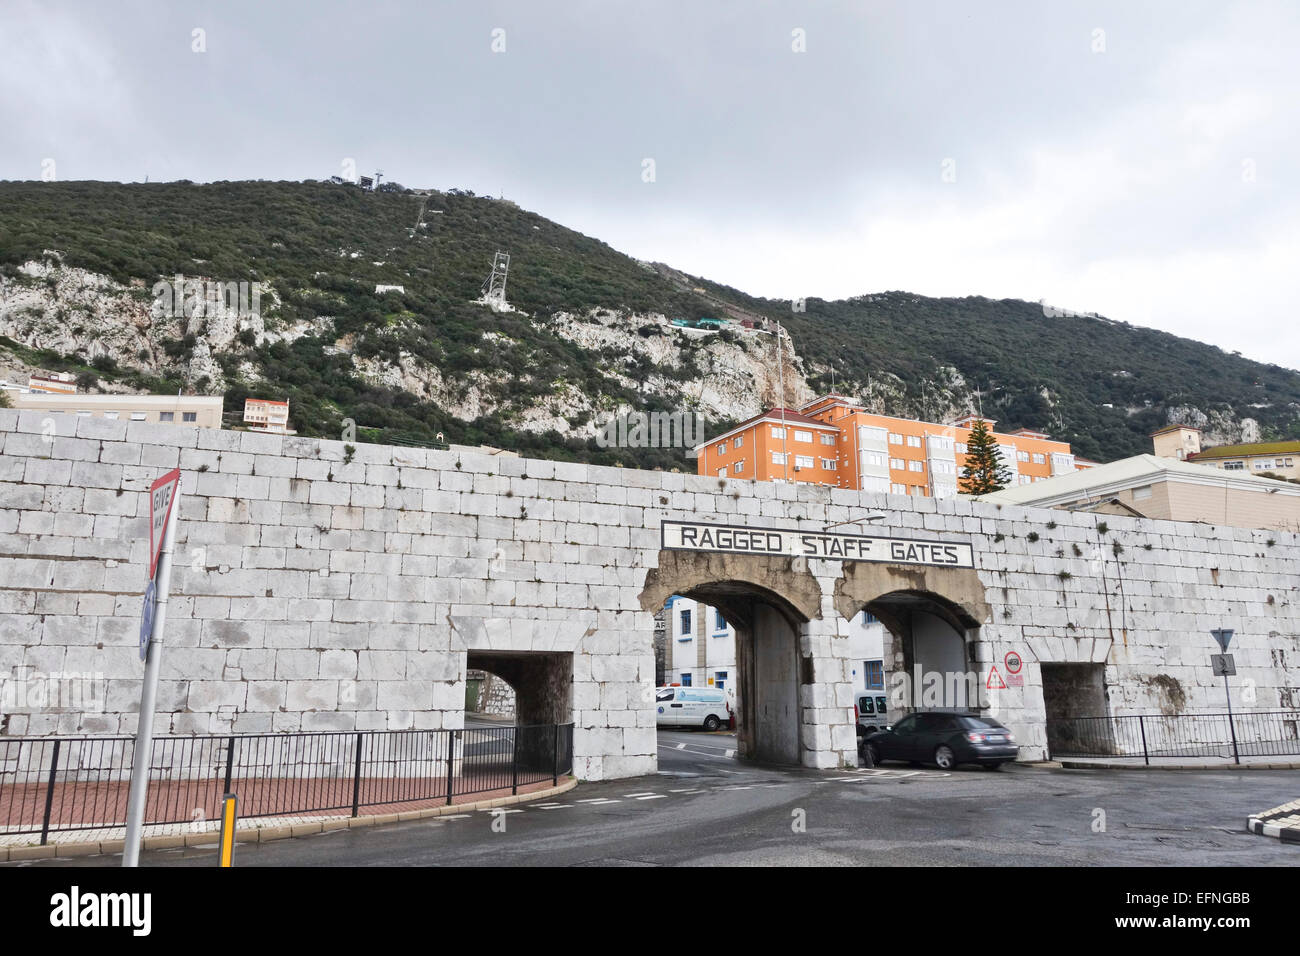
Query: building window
803 461
738 467
918 490
1234 466
875 674
959 447
1022 456
722 449
720 679
189 416
916 466
686 680
1287 463
827 439
898 489
895 439
802 435
166 416
1039 459
778 431
913 441
1263 465
874 458
112 415
778 458
828 464
138 416
897 464
1143 492
719 622
722 472
686 621
1024 479
739 442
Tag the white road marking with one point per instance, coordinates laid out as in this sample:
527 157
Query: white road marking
686 791
648 796
552 806
456 816
496 810
731 753
681 746
599 800
642 793
699 753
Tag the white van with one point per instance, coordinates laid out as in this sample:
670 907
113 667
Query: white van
691 707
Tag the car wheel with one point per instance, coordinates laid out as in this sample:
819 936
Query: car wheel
995 765
712 723
873 754
944 758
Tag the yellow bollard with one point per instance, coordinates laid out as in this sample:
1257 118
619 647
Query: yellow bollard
229 813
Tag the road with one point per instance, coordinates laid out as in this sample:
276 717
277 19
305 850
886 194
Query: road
705 808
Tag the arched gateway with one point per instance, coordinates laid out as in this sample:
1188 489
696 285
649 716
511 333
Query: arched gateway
789 596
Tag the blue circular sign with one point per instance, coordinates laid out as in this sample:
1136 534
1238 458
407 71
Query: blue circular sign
146 619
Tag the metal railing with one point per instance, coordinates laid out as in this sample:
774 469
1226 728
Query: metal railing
50 784
1153 736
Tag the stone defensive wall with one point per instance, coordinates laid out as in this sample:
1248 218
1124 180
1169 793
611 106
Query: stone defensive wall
319 585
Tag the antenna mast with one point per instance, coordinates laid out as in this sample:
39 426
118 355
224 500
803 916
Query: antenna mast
494 289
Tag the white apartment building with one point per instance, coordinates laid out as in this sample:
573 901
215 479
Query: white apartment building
265 415
201 411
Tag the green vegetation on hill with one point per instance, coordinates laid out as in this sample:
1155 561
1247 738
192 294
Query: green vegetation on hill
324 247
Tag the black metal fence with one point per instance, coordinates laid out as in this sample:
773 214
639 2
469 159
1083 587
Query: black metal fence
80 783
1153 736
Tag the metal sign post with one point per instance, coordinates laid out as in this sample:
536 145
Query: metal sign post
1225 665
164 498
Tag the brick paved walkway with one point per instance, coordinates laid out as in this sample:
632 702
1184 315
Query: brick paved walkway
83 810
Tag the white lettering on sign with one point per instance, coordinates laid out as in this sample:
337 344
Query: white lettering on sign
698 536
161 495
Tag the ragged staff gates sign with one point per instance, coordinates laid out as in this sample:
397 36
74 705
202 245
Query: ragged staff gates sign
784 542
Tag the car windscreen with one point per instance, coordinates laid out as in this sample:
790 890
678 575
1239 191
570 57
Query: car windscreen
664 695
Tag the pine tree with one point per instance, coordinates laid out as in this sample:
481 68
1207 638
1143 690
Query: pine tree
984 470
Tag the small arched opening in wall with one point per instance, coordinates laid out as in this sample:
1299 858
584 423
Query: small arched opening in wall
520 700
767 602
913 632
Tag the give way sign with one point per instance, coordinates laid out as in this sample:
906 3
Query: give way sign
162 493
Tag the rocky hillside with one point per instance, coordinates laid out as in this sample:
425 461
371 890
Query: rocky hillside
369 306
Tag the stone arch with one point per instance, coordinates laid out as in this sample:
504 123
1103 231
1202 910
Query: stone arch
932 618
769 601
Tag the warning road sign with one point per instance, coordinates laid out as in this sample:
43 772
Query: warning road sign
161 495
995 681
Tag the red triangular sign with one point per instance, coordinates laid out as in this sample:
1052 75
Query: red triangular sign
994 675
162 493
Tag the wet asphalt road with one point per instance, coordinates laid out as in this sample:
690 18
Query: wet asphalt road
705 808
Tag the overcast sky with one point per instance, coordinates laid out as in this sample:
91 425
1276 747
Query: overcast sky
1135 159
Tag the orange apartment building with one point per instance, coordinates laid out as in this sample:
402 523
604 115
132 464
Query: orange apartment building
833 441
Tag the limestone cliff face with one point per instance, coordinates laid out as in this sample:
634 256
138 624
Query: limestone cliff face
721 375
